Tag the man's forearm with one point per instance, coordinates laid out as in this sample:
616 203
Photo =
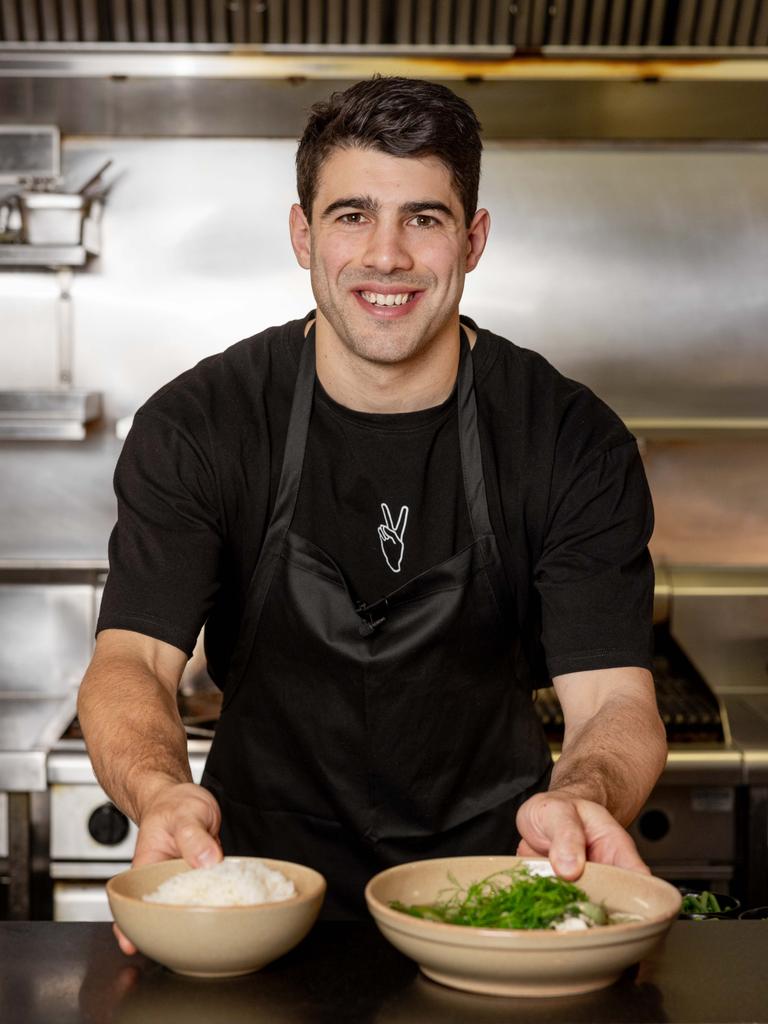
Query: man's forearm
614 757
132 730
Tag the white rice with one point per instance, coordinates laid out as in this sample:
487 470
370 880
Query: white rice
231 883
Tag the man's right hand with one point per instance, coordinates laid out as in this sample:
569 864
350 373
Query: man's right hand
181 820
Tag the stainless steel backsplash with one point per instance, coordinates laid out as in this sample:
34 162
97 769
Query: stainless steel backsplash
641 270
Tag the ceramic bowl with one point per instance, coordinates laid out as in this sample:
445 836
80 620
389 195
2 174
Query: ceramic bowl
521 963
754 914
213 942
729 906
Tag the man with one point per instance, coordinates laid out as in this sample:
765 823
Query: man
387 517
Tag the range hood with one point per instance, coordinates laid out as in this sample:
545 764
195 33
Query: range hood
523 26
667 70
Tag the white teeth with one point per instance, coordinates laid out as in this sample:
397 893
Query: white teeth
387 300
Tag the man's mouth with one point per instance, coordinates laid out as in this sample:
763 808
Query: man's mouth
396 299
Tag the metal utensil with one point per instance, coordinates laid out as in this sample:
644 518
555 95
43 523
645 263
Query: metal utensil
94 178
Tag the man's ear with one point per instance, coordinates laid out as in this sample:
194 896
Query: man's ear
298 225
477 236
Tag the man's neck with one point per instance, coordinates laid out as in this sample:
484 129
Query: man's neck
424 381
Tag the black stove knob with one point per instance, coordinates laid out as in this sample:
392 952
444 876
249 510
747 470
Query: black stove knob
653 825
108 826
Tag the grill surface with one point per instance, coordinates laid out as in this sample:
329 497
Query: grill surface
690 711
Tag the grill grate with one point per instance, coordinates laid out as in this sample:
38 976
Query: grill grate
524 24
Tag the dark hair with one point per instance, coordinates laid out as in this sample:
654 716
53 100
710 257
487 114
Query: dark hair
404 117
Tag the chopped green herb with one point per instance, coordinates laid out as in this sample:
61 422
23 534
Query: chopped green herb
701 903
510 899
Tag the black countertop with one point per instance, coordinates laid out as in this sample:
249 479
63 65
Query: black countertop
710 971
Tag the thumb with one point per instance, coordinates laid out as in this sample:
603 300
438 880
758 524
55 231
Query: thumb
553 826
196 844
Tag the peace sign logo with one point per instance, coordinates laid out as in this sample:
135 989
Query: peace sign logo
391 536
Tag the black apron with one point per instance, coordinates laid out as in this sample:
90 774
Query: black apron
354 737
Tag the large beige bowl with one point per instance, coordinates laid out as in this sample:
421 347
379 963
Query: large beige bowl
521 963
213 942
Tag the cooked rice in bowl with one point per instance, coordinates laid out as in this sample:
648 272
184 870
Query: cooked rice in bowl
230 883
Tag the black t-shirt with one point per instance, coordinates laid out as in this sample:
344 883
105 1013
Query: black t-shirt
382 494
567 497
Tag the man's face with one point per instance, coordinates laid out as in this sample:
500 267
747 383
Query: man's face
387 252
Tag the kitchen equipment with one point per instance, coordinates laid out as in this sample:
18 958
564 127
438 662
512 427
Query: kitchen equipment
729 905
57 218
755 914
39 226
29 154
56 230
94 178
52 218
214 942
538 962
61 413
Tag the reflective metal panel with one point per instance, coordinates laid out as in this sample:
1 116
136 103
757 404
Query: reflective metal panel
45 638
640 270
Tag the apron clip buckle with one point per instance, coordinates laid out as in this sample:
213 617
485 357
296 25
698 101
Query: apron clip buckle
371 615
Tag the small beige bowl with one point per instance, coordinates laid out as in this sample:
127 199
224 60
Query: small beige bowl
521 963
213 942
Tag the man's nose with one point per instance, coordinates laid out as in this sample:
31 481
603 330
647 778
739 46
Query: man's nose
387 249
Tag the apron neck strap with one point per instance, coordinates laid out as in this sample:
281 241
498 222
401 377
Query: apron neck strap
469 439
469 444
296 438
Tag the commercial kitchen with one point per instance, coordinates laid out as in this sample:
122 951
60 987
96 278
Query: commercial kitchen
144 150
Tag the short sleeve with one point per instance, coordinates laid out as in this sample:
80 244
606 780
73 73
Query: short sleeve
595 575
165 550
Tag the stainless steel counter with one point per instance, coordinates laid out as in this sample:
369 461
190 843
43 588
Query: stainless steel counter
346 973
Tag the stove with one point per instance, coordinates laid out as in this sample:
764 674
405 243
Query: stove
90 839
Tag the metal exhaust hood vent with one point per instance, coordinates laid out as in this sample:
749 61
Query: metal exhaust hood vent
575 27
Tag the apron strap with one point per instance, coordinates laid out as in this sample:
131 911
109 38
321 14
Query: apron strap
296 440
469 445
282 514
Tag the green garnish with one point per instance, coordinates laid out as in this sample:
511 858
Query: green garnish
701 903
508 899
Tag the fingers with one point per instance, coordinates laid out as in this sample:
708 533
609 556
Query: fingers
624 854
570 830
123 942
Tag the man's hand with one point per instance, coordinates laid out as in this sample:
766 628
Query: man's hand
181 820
570 831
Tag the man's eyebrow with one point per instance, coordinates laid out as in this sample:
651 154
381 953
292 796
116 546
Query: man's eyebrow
421 206
365 203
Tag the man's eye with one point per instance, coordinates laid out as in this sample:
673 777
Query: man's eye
424 220
351 218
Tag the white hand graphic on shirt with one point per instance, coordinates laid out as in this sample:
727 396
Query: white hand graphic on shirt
391 536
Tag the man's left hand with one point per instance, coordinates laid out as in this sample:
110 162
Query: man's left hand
570 831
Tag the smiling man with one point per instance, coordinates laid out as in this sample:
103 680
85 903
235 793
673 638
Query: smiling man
395 526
